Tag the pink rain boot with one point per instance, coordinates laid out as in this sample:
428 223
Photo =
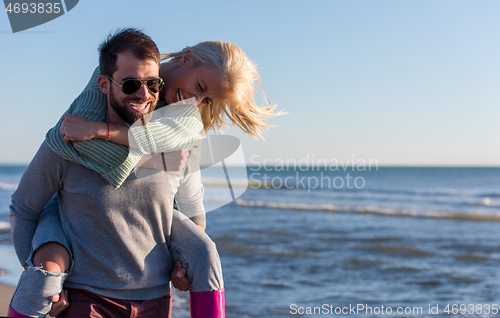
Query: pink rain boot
207 304
11 313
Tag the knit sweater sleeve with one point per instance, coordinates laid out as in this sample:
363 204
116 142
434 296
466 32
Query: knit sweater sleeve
168 129
40 181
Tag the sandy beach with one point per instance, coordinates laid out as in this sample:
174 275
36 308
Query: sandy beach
5 295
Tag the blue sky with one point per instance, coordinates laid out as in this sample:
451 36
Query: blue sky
402 82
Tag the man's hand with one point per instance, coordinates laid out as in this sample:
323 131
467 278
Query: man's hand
59 303
76 128
174 161
178 277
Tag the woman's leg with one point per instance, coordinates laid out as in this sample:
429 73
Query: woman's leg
47 269
198 255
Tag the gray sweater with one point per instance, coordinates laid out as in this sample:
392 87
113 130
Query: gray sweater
118 236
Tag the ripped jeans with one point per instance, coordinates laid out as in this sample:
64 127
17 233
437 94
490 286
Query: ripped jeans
187 243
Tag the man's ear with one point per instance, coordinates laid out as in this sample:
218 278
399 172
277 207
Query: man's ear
103 82
186 58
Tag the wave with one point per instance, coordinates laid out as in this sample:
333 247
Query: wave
399 249
437 196
9 186
368 210
4 227
492 195
295 184
486 201
223 183
459 199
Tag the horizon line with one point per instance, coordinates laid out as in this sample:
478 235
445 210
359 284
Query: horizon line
11 164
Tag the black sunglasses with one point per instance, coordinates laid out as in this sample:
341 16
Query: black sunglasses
130 86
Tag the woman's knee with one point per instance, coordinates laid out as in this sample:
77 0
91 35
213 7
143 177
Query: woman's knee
52 257
206 248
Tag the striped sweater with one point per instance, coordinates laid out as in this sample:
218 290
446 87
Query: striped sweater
169 129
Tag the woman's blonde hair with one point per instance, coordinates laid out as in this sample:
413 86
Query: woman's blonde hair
243 79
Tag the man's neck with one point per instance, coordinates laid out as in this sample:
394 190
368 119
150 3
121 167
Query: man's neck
113 116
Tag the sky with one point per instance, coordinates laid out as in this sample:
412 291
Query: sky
405 83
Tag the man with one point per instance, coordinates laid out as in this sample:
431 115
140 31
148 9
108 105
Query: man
118 237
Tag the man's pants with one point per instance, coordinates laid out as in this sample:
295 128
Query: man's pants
85 304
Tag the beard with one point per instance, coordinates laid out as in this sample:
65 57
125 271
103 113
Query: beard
123 110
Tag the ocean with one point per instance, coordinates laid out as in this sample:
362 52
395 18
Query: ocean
312 242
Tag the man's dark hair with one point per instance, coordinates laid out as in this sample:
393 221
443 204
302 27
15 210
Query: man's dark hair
129 39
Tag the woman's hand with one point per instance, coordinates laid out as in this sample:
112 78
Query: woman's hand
76 128
178 277
174 161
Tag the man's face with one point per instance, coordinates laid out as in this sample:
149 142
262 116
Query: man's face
134 106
